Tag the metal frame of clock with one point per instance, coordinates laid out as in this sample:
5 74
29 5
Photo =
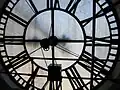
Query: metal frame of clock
98 68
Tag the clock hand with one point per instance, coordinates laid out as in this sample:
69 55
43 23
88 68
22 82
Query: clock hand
44 57
42 54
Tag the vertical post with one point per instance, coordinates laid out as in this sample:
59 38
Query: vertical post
93 42
52 22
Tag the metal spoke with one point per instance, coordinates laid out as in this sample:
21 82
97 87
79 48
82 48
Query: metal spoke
67 50
42 54
37 40
52 24
70 41
63 59
35 50
93 43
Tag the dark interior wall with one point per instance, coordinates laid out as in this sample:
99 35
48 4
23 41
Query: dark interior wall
1 4
3 84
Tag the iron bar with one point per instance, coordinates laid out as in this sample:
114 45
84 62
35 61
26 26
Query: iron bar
65 59
68 51
93 42
52 23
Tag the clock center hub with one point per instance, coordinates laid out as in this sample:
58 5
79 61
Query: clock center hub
53 40
46 42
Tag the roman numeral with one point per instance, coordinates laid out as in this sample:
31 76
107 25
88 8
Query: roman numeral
13 40
72 6
16 18
3 20
99 70
31 79
98 15
11 4
53 4
3 24
103 41
18 61
75 79
55 85
18 78
56 4
33 7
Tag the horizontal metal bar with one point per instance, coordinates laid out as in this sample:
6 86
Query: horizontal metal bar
64 77
59 40
70 59
70 41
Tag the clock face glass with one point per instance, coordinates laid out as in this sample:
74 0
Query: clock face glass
81 36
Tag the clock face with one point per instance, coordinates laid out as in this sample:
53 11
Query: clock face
58 44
